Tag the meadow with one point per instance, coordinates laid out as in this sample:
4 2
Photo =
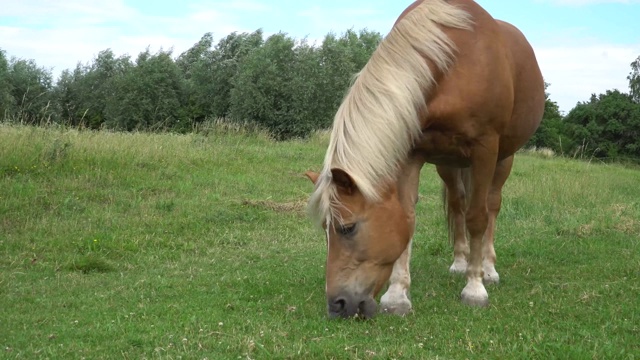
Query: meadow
197 246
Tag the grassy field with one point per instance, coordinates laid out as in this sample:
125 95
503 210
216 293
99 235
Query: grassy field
143 246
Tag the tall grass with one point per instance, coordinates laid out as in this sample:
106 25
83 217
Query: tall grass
139 245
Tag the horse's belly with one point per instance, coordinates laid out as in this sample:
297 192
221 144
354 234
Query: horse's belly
439 148
448 161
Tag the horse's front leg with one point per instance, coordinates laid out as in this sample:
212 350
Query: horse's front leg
396 299
477 220
494 200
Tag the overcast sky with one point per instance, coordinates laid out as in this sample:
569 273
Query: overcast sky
583 46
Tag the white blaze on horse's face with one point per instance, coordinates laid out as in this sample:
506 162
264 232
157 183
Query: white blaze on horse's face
364 239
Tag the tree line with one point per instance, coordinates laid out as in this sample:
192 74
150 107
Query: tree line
284 85
607 126
287 86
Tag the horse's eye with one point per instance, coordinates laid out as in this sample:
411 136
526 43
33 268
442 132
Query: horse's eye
347 230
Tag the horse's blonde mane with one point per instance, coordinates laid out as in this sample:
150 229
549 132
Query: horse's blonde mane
377 123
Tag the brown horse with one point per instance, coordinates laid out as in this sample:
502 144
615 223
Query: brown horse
451 86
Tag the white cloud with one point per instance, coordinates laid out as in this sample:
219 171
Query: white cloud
59 34
246 5
67 12
338 20
576 72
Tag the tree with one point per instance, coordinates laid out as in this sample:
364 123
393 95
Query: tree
608 125
148 96
209 72
6 98
634 80
65 95
287 86
551 132
193 66
340 59
30 88
192 58
215 77
82 94
307 111
261 90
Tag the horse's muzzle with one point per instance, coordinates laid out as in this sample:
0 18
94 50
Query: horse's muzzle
348 306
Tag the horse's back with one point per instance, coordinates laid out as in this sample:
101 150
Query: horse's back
494 87
528 89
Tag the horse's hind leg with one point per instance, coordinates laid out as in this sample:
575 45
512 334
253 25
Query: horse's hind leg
455 206
396 299
494 200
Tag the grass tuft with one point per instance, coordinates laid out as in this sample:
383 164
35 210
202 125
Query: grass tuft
542 152
57 151
91 263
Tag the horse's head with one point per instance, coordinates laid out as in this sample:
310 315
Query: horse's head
364 239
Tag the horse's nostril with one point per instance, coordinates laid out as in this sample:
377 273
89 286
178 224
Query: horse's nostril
337 307
367 308
347 307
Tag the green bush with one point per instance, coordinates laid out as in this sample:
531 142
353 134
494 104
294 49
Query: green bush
607 126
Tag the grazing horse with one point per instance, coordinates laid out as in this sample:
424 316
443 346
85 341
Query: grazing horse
450 86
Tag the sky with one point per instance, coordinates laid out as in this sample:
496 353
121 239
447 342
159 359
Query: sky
583 46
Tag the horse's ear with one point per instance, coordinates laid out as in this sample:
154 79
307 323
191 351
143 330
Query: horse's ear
343 181
313 176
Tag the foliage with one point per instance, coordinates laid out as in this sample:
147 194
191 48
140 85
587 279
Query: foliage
264 91
340 59
83 94
209 72
551 129
286 86
149 96
226 60
29 88
6 98
608 125
198 101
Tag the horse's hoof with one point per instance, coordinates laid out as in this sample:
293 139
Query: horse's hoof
396 305
459 266
490 274
401 308
491 278
474 294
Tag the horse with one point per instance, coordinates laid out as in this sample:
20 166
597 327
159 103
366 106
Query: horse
451 86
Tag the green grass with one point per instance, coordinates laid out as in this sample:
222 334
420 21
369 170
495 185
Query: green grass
159 246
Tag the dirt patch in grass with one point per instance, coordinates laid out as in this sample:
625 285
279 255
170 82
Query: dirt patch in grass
627 222
295 206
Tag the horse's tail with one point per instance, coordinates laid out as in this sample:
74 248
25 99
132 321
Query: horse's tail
463 184
447 212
